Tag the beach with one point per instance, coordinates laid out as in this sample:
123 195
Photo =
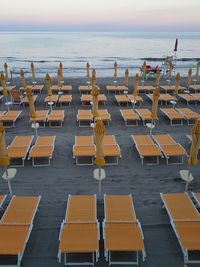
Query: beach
63 177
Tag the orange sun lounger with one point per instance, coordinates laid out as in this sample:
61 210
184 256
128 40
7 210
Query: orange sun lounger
84 149
41 150
163 98
104 115
2 199
146 148
190 115
171 88
41 117
145 114
126 99
122 231
189 98
79 231
19 148
116 88
63 88
185 220
84 117
146 88
10 117
129 116
16 226
173 115
111 150
52 98
85 89
170 148
56 118
65 99
87 99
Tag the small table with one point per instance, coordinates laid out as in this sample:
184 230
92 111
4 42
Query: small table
187 177
151 126
8 175
133 102
173 103
35 126
50 103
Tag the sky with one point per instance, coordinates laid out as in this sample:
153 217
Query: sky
100 15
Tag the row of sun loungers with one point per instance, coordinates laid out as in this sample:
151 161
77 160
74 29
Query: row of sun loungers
84 150
190 98
159 145
80 231
16 226
55 118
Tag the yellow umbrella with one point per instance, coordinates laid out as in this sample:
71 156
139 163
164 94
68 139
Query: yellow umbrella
126 78
88 70
158 77
170 69
48 84
29 95
189 78
177 83
115 70
94 78
143 70
135 87
59 78
95 93
23 82
61 69
6 70
4 159
197 70
3 83
156 95
193 160
33 70
99 130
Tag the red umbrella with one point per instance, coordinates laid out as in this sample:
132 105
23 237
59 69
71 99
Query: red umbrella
176 45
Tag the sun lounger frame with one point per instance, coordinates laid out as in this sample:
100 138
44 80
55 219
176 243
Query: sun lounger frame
127 120
56 123
9 121
196 199
2 201
77 158
173 119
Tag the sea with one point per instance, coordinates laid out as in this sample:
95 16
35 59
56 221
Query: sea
101 49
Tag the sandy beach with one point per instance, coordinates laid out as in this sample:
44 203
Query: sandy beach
63 177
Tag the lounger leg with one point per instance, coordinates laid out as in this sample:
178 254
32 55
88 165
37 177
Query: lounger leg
65 259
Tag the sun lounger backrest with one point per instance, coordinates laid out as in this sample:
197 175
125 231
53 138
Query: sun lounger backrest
142 140
21 141
109 140
21 210
45 141
119 208
164 139
84 140
81 209
180 207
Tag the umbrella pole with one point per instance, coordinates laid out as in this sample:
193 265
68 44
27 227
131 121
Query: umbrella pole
99 182
9 184
187 183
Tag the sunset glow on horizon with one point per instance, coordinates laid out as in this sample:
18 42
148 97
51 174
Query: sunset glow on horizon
96 15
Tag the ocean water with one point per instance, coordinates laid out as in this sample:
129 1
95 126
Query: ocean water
48 49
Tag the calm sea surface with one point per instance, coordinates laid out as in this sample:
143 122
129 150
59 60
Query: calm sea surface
47 50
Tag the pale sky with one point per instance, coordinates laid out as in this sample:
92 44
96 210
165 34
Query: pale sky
100 15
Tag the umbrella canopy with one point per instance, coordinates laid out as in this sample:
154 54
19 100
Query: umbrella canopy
135 86
99 130
61 69
177 83
189 78
6 70
4 159
33 70
3 83
31 103
158 77
156 95
115 69
176 45
193 160
94 79
48 84
88 70
197 70
126 78
143 70
95 93
59 78
23 82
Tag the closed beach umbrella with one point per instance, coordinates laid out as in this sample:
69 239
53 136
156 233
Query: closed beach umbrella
177 83
115 70
99 130
193 160
88 70
95 93
170 69
6 70
158 77
4 159
48 84
59 78
23 82
94 79
61 69
136 82
197 70
176 45
143 70
33 70
126 78
189 78
156 95
3 83
31 103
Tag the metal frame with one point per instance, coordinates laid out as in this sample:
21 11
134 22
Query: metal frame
196 199
1 203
